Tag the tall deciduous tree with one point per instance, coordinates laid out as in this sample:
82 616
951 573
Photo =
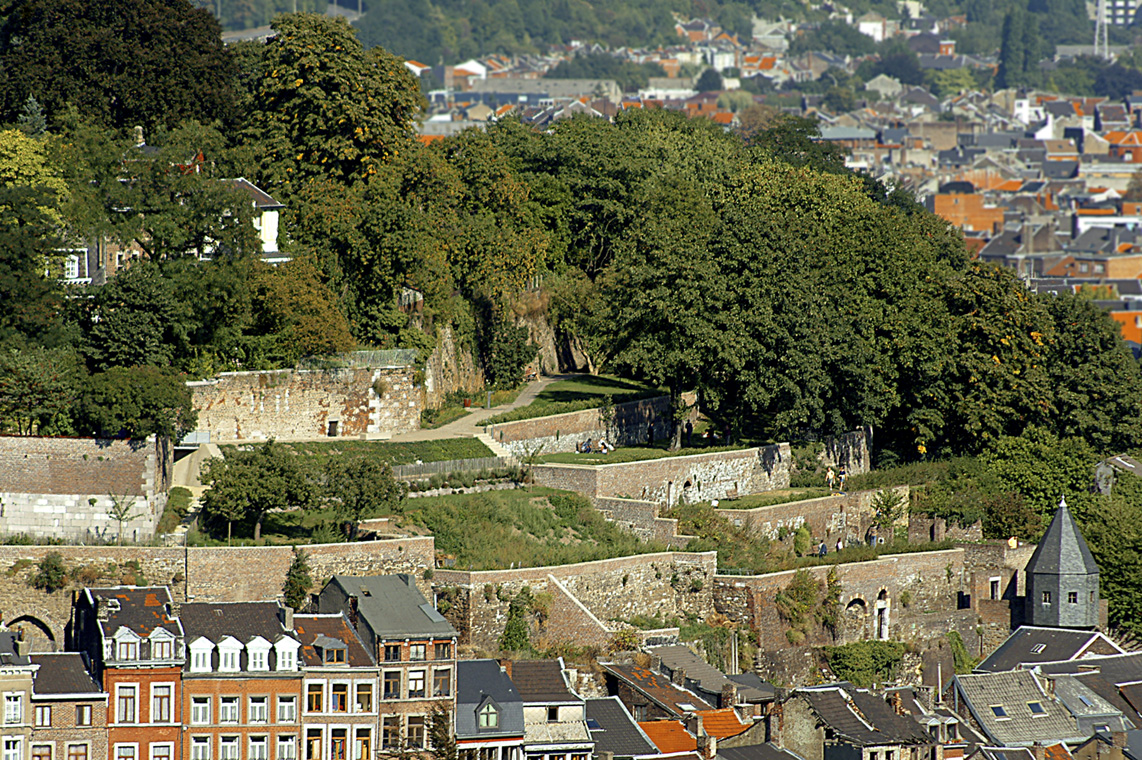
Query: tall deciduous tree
126 63
135 402
29 253
37 390
245 485
361 486
325 107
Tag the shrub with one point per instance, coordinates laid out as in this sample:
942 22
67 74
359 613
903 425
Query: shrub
51 574
624 640
865 662
801 541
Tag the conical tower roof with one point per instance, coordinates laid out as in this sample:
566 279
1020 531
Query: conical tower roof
1062 550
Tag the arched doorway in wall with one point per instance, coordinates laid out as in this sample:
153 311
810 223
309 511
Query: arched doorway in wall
43 640
856 618
882 615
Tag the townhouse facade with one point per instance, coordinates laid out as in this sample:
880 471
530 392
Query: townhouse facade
415 650
135 642
16 674
340 709
69 710
242 683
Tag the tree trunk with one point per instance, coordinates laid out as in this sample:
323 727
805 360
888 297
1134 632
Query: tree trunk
258 528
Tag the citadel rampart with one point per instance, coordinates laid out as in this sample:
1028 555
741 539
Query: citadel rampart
303 403
65 488
561 433
697 477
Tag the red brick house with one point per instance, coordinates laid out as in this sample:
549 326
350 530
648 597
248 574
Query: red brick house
69 710
134 639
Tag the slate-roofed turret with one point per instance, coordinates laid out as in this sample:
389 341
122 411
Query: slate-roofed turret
1062 577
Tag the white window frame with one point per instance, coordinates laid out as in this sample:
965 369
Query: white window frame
224 714
168 745
264 704
45 710
162 641
201 651
13 708
198 706
423 680
225 742
120 687
286 649
415 649
287 709
286 740
261 740
229 655
133 746
12 748
198 743
171 711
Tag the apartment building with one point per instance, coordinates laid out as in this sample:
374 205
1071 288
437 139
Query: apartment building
135 643
340 710
69 710
242 682
16 672
414 646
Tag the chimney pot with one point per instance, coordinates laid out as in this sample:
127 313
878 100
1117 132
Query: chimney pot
287 618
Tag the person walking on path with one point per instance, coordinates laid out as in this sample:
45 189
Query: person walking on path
844 477
830 478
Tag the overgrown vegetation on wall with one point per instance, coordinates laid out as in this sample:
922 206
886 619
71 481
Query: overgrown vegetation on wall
865 663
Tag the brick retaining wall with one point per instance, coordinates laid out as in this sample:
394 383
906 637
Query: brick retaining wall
65 487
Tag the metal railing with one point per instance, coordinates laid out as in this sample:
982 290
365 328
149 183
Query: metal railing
409 471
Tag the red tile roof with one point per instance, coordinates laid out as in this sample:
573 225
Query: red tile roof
669 736
723 723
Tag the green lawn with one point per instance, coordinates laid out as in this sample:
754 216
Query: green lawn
430 419
631 454
529 527
578 393
318 452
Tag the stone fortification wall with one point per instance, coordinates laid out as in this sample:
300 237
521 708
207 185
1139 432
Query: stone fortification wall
923 528
932 581
666 584
848 517
561 433
64 487
202 574
698 477
301 403
641 518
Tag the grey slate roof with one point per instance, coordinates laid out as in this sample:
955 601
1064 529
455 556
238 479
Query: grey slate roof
242 620
141 609
866 720
1089 709
8 653
706 678
394 607
63 673
541 681
1012 692
1030 645
614 730
1062 550
767 751
476 682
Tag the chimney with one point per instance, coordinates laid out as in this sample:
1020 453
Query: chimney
707 747
729 694
1039 751
287 617
102 609
175 610
353 612
23 644
506 666
678 677
605 756
897 702
139 141
694 726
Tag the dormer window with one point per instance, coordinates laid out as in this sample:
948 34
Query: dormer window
127 650
286 650
201 650
258 654
334 656
162 650
489 716
229 650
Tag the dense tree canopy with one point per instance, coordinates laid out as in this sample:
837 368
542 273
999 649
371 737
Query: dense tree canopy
121 64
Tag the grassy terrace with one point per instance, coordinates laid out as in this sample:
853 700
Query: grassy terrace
573 395
318 452
632 454
770 498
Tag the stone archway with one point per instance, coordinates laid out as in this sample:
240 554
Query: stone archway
41 634
880 630
855 619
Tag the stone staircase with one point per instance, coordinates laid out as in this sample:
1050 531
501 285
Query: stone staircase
497 448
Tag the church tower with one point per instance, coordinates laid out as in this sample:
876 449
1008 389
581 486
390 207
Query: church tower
1062 577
